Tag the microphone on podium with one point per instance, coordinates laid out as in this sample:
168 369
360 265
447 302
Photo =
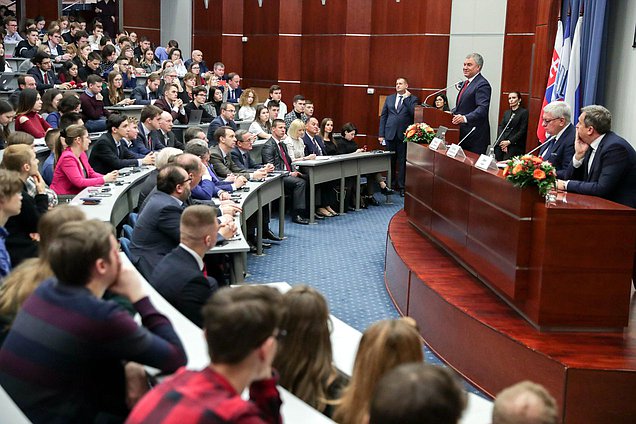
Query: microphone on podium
425 104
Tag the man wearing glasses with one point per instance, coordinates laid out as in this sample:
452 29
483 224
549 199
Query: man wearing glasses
11 27
558 149
57 53
199 95
168 76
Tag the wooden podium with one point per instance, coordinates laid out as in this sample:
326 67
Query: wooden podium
566 266
435 118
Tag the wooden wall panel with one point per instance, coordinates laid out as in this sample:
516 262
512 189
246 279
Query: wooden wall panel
290 19
260 20
517 56
360 12
328 19
322 58
260 57
405 17
521 16
289 58
357 64
48 9
144 17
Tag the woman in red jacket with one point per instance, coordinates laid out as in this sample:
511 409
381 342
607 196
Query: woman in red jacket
73 173
28 117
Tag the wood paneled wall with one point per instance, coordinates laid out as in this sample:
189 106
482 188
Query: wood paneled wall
144 18
48 9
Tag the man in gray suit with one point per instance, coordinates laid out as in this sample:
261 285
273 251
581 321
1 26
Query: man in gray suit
397 114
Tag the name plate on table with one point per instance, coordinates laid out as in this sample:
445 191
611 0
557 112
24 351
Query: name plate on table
486 163
455 151
437 144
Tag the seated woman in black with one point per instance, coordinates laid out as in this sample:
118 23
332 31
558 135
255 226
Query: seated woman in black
512 129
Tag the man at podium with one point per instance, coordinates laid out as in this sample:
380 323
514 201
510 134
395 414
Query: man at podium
472 106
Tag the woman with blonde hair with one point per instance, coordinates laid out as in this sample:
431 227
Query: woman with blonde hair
384 345
247 102
27 276
304 358
295 143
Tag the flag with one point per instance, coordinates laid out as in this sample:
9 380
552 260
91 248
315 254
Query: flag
573 87
562 73
554 66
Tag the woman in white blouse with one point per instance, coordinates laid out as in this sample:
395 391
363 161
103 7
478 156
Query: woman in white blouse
247 102
295 143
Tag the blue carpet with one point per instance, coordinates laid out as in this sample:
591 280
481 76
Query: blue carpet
343 258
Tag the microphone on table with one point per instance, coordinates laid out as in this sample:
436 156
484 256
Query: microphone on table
466 136
491 151
437 92
536 148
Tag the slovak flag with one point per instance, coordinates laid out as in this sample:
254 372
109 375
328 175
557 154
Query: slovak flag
554 67
573 87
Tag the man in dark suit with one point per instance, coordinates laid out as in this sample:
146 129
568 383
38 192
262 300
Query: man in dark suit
313 141
172 104
472 106
147 94
157 230
180 277
24 81
397 114
275 152
221 157
164 134
44 77
604 164
225 120
150 121
110 153
234 90
558 149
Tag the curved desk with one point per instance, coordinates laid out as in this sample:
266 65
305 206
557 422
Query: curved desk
329 168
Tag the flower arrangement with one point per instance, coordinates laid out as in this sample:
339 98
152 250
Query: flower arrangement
419 133
528 170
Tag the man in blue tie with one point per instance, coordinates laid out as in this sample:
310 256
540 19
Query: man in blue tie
234 89
558 149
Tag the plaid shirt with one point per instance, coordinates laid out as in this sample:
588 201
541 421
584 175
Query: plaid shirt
291 116
207 397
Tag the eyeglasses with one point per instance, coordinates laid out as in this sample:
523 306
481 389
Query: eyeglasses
547 121
187 180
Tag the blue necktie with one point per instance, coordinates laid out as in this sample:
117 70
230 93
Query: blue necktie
549 146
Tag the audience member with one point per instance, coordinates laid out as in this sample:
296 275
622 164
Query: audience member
210 185
28 118
147 94
384 345
27 276
221 157
295 143
172 104
7 115
73 173
234 90
162 52
21 242
218 70
558 149
148 63
275 93
197 57
57 52
275 152
169 76
176 57
69 72
226 119
113 94
50 100
68 383
198 103
92 101
150 121
604 164
165 135
261 125
110 153
24 81
44 76
106 12
189 83
144 44
11 28
180 277
247 105
48 167
315 145
215 99
304 358
10 204
242 347
417 394
91 67
298 112
148 186
524 403
27 48
157 230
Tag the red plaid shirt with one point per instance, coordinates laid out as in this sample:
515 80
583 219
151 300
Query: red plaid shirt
207 397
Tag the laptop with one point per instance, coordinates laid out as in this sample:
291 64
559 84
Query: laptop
195 117
7 83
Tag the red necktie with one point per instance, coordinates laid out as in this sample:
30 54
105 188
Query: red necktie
149 142
284 156
46 78
462 90
205 270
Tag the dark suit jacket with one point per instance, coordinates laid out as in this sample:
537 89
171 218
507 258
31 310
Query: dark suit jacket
140 95
156 232
271 154
224 166
474 105
19 243
563 151
237 95
105 158
163 105
310 147
180 281
612 175
516 132
40 85
393 124
168 139
205 116
140 144
237 157
215 124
